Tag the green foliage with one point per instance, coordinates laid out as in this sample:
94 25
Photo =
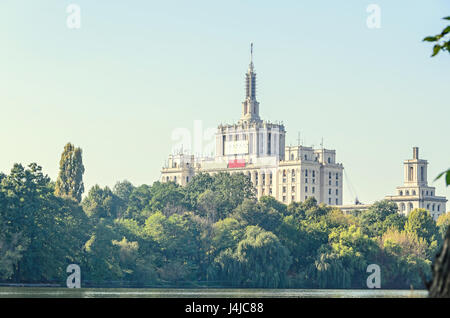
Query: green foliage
259 260
101 203
447 176
379 217
442 43
421 222
250 212
30 209
12 247
213 231
70 177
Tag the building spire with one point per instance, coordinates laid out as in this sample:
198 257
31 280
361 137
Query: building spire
250 107
250 79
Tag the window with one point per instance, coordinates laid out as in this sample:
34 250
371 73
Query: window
292 156
293 172
329 191
337 183
438 207
306 189
293 189
187 179
313 189
284 189
407 192
314 173
401 192
306 172
329 182
306 157
432 207
329 200
167 179
284 198
337 201
293 197
336 191
306 180
175 179
329 160
414 192
337 175
329 175
422 178
411 171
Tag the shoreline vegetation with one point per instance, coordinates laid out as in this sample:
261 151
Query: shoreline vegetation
213 231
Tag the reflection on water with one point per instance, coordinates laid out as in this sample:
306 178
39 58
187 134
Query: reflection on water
22 292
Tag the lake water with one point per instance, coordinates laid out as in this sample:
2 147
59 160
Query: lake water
26 292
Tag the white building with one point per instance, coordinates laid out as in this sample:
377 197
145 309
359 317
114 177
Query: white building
257 148
415 192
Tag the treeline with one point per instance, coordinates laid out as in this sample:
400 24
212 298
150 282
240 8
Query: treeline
213 232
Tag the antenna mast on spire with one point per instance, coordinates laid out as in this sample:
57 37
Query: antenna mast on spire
251 52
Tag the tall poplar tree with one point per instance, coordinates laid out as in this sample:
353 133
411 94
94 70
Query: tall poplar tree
71 169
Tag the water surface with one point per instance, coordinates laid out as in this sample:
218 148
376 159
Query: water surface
26 292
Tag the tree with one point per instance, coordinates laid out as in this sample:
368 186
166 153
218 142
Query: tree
421 223
260 260
443 223
403 258
70 177
373 220
12 247
250 212
178 238
52 227
122 191
440 284
101 203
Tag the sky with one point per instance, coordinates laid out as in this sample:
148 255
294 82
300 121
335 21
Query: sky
135 72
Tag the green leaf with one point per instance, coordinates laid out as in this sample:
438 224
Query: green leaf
436 50
447 176
446 18
430 39
445 31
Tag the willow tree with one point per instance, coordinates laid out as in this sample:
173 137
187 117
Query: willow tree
70 177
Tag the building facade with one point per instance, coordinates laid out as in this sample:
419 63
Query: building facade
257 148
415 192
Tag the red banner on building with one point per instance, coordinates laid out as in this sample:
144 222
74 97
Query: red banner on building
236 163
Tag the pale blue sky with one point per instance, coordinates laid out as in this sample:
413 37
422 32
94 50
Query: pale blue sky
137 70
